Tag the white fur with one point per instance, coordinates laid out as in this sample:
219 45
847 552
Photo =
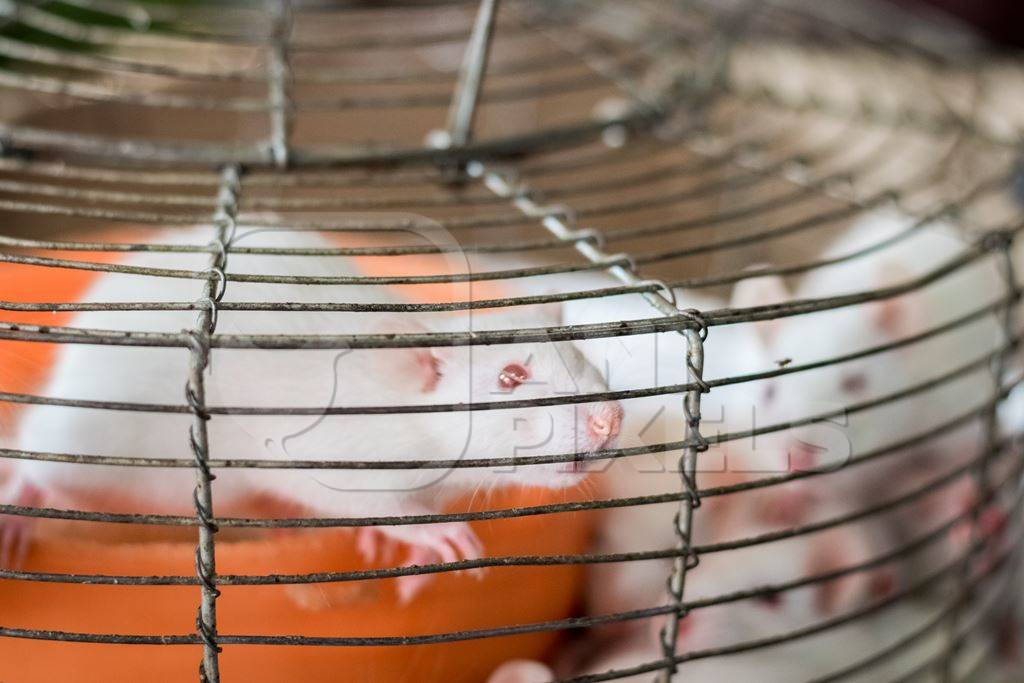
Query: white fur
638 585
800 660
820 336
288 378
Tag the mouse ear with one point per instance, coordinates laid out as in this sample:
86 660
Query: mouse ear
423 366
761 291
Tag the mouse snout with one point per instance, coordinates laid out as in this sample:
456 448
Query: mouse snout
604 421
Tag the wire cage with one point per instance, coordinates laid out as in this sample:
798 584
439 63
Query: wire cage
561 153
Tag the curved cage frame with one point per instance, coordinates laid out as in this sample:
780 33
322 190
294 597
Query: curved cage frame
479 188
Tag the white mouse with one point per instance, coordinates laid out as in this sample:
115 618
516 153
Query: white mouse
651 361
306 378
637 643
819 336
617 587
804 659
658 360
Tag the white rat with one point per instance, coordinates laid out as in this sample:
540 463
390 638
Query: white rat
869 631
305 378
617 587
638 585
641 362
824 335
808 658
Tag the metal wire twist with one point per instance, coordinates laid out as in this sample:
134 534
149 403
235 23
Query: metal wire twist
683 518
195 394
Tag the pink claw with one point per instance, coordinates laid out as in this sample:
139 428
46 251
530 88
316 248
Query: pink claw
366 543
408 587
373 545
430 544
16 530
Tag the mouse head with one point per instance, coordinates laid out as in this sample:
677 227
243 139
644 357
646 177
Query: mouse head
479 374
831 389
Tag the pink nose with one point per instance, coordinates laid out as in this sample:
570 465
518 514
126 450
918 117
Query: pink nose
604 421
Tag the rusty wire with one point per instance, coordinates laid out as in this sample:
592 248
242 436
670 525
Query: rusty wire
564 195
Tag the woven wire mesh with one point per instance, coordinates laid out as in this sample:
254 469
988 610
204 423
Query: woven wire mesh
669 145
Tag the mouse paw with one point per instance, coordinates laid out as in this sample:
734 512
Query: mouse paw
16 530
432 543
989 522
452 542
992 527
993 521
15 537
373 545
408 587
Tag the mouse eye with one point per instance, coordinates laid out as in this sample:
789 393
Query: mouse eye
854 384
512 375
770 600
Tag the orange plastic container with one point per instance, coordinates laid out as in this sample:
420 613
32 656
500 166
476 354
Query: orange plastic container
503 596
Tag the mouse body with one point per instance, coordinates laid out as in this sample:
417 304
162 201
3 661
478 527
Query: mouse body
717 620
314 380
844 392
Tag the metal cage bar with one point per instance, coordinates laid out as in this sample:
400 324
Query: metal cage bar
531 190
195 393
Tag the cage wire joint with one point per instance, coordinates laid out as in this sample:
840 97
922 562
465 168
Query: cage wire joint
466 97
